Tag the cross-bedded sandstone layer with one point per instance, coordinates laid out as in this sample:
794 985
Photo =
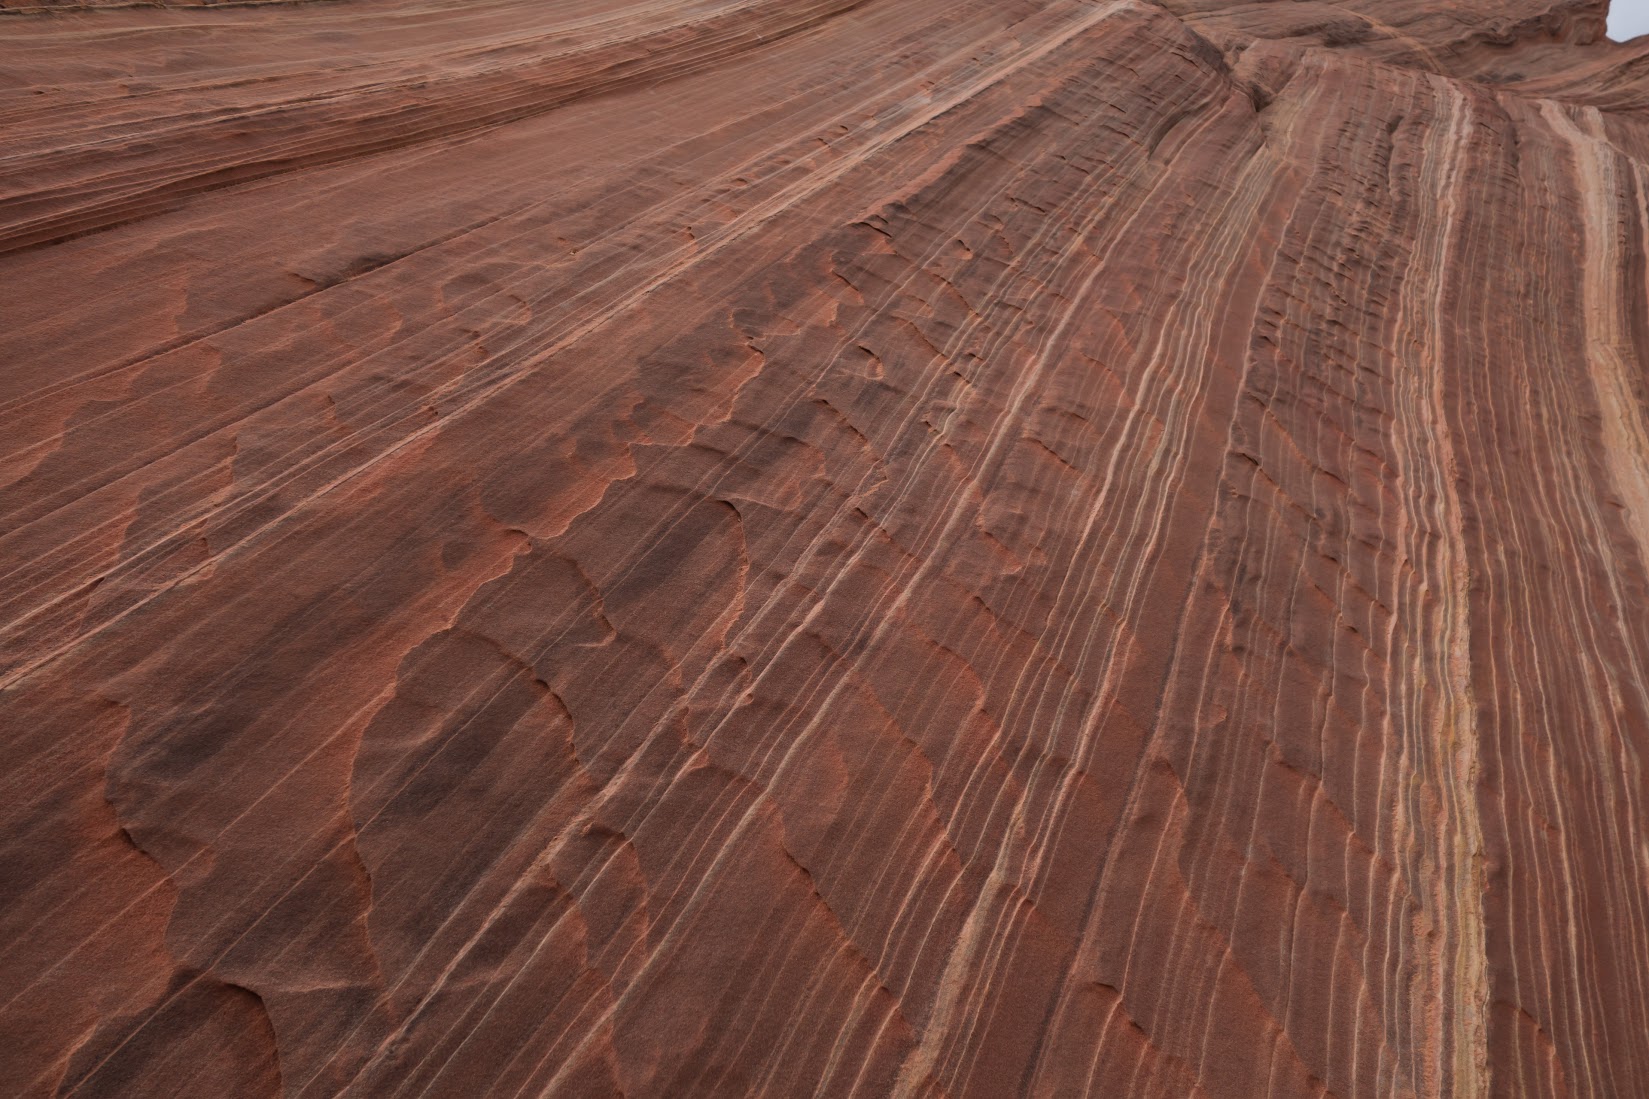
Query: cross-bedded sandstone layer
824 547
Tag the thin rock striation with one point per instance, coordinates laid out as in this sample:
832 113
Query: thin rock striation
824 547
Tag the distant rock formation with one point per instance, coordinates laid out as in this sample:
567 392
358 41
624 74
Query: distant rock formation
824 547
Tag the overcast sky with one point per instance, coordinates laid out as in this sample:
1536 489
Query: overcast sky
1628 19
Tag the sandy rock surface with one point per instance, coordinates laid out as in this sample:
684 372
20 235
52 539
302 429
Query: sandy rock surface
823 547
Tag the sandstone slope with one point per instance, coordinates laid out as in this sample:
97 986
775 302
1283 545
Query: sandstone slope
824 547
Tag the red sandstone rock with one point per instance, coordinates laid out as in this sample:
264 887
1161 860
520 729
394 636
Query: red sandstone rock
843 547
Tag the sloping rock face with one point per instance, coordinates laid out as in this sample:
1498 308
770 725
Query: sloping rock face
824 547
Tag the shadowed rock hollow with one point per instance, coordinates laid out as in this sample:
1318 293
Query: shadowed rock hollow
824 547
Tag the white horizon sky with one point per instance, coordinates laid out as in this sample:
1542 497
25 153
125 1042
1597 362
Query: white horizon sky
1628 19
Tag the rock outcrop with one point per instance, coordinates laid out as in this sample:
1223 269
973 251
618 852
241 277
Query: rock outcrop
824 547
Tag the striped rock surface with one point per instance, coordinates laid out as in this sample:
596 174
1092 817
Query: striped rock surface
824 547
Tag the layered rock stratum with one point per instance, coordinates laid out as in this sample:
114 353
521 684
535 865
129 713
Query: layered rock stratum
824 547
